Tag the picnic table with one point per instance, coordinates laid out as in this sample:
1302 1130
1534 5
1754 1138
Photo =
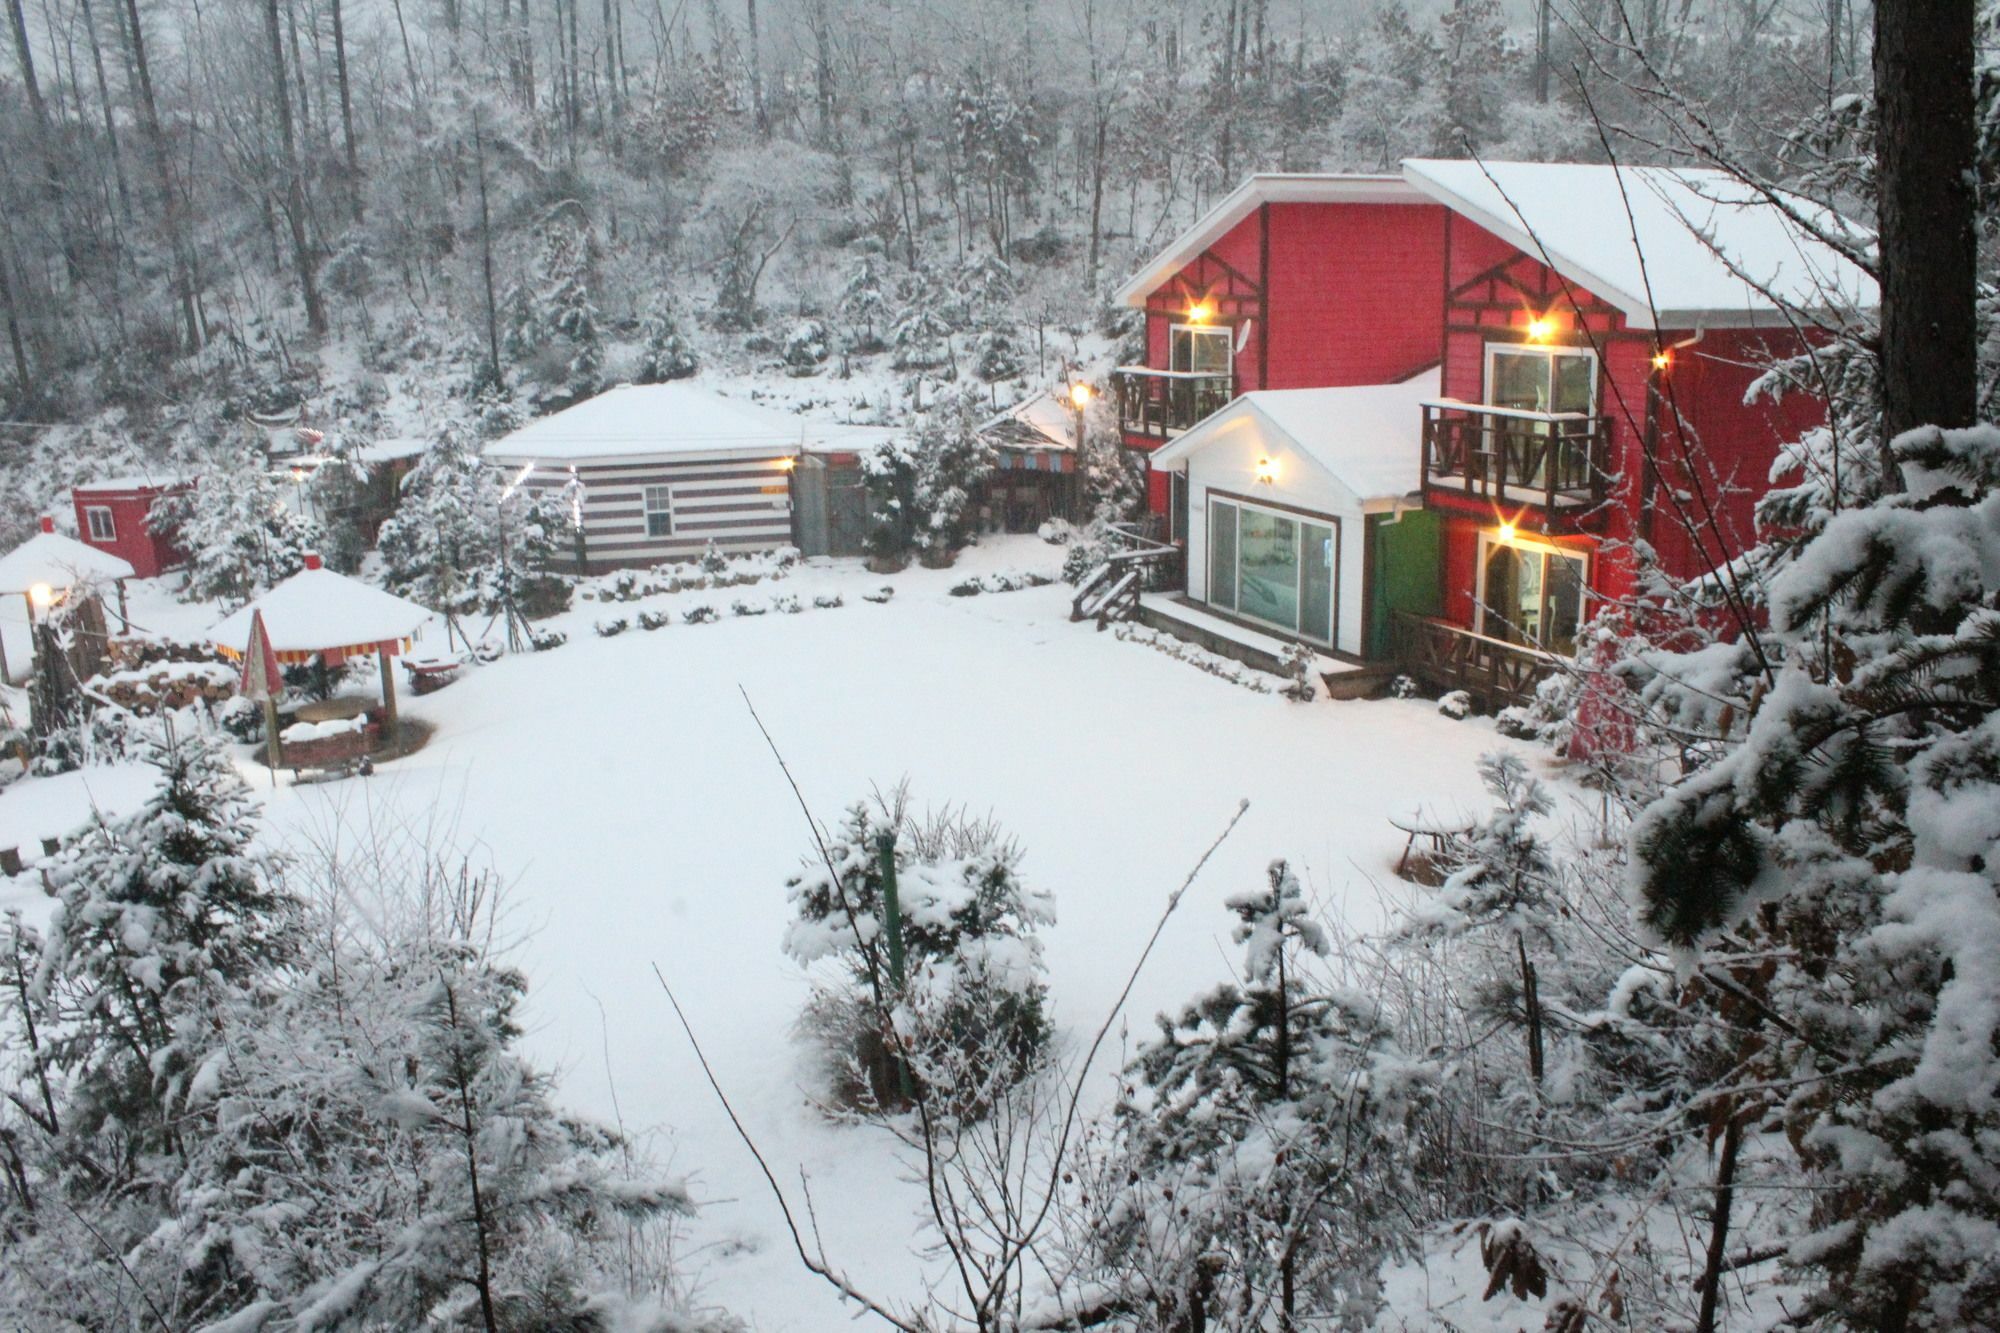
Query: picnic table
432 673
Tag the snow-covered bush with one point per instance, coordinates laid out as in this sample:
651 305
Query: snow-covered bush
699 615
1301 667
935 990
808 343
611 627
739 607
828 601
652 620
1455 704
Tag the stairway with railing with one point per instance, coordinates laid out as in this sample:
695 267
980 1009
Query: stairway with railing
1139 562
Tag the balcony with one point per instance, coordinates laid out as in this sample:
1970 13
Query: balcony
1444 656
1160 404
1510 457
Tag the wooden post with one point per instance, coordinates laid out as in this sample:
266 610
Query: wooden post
388 694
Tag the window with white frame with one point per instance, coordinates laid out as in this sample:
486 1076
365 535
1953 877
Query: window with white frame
659 511
1201 349
1531 593
98 519
1541 379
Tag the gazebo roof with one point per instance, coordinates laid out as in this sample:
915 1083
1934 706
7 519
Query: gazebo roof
318 611
59 561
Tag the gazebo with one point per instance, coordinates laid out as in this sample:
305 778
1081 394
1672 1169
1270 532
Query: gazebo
317 613
42 569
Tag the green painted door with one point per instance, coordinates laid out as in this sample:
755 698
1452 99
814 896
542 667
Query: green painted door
1407 555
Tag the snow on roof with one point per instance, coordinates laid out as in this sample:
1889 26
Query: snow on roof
385 451
1708 246
1039 421
1368 437
648 420
60 562
159 481
317 609
1240 203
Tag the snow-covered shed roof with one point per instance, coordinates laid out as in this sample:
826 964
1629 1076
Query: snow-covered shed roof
1039 421
130 484
60 562
1709 247
317 610
1368 437
655 420
1273 187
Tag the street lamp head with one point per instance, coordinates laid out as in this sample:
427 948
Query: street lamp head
42 595
1079 395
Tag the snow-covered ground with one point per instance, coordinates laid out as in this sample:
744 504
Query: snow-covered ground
622 787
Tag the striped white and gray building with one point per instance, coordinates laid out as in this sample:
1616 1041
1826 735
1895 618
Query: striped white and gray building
665 469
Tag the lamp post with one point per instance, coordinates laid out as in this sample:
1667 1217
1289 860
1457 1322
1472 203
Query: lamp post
1080 394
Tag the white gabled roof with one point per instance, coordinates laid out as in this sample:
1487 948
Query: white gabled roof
655 420
1709 247
1368 437
59 561
1240 203
1039 421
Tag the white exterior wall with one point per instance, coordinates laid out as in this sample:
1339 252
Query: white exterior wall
1228 463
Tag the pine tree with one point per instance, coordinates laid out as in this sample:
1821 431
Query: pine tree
952 460
440 544
864 303
240 526
664 353
1262 1166
162 917
566 271
1848 824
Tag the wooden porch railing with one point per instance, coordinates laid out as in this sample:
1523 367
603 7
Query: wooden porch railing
1143 563
1497 674
1161 404
1554 460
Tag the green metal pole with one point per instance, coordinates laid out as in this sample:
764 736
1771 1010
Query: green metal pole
892 922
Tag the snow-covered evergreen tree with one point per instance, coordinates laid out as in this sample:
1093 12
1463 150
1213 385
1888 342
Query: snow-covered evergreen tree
864 303
952 459
1847 830
664 353
438 545
240 526
1262 1172
566 271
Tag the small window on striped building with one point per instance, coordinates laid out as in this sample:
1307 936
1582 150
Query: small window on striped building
659 511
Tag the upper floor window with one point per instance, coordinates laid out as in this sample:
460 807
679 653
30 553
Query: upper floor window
1201 349
1541 379
102 529
1531 593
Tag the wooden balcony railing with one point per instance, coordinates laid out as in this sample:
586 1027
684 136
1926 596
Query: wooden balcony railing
1163 403
1497 674
1555 460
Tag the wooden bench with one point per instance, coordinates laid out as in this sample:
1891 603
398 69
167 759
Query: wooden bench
432 673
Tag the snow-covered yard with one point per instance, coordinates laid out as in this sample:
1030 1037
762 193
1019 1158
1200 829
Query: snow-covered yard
623 788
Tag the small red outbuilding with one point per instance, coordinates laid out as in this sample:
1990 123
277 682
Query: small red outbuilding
117 516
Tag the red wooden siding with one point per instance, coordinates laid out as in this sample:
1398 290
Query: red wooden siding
1350 294
134 540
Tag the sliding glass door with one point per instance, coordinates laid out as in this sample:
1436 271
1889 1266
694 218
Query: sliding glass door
1272 567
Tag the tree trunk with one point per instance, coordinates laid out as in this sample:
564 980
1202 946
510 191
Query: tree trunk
295 195
346 113
486 254
110 120
170 205
1718 1235
16 339
1925 169
756 72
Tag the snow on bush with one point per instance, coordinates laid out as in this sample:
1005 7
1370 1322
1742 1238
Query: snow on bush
937 990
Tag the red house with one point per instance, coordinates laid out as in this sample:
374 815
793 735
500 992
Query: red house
1572 345
117 516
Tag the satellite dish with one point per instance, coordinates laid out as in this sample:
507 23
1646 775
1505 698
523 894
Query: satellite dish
1243 334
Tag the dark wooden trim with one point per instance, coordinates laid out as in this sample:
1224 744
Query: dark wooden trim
1263 296
1214 493
1371 524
